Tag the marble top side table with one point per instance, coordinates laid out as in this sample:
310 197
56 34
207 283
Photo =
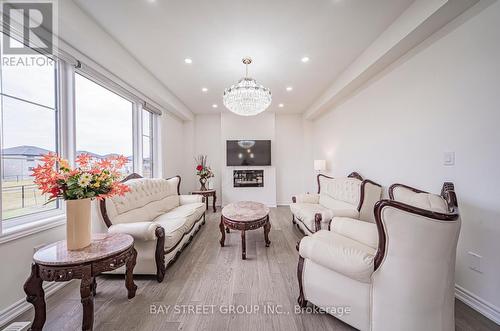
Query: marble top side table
206 194
55 263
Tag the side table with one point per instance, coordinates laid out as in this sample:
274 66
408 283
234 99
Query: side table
55 263
207 194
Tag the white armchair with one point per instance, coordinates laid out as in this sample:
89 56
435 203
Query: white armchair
350 197
161 220
404 281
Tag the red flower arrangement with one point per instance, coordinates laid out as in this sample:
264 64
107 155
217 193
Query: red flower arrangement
91 178
202 169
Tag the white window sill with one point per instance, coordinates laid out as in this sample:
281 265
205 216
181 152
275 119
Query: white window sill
27 229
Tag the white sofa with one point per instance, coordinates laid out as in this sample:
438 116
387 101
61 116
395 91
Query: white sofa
352 197
161 220
404 281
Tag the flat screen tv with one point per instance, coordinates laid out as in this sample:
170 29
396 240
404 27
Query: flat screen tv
248 152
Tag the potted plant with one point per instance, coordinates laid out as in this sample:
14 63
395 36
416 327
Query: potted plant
91 178
203 171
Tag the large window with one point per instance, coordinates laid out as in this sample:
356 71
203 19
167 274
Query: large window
103 122
29 129
37 116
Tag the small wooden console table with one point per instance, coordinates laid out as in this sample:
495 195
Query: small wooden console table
55 263
206 194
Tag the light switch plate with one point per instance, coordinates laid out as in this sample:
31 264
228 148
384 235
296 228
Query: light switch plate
449 158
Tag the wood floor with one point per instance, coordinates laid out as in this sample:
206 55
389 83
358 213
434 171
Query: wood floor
209 277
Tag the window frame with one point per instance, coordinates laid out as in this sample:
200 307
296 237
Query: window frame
22 220
83 73
65 124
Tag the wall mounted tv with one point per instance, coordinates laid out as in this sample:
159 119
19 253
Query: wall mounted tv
248 152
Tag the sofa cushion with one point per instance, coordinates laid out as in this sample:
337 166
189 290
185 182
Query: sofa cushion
339 253
175 229
191 212
305 212
361 231
139 230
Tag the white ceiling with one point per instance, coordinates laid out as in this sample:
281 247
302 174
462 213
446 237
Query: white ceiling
217 34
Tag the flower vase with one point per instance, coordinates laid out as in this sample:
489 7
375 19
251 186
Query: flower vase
78 224
203 182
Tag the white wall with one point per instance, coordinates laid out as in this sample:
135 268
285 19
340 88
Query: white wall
171 145
289 157
443 96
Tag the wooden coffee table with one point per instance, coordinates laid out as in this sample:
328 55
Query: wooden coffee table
55 263
243 216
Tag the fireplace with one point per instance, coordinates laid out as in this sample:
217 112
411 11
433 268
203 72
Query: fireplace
248 178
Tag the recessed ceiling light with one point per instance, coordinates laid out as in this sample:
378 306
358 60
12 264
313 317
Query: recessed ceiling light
204 89
214 105
289 88
305 59
281 105
188 60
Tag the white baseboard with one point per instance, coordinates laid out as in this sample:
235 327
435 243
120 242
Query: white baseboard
483 307
8 314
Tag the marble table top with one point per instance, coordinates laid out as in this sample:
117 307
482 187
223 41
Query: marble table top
245 211
202 192
103 245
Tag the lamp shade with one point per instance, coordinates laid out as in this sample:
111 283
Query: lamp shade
319 165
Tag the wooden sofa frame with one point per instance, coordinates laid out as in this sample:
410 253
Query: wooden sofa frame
160 251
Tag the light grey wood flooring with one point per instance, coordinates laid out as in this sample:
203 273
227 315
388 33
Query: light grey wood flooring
209 277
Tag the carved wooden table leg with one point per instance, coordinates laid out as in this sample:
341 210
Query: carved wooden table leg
243 245
87 298
94 286
213 203
267 228
206 203
221 228
36 296
129 275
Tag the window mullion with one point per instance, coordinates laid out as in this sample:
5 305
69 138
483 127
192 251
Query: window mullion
153 140
67 111
137 138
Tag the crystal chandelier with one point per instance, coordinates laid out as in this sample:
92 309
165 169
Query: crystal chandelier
247 98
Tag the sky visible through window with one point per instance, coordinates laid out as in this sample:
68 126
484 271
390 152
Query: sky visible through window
24 123
103 119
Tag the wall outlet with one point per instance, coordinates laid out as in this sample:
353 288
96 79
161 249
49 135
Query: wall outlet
475 262
449 158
